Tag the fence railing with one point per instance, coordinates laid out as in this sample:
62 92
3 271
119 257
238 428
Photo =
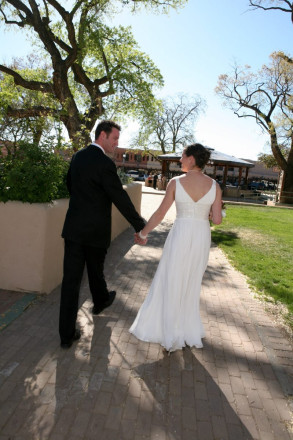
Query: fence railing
285 197
258 196
254 196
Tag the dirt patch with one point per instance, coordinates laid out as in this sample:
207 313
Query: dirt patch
279 313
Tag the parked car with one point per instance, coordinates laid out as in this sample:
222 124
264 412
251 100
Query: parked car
134 174
256 185
271 186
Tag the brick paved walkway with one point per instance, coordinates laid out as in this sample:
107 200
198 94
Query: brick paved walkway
109 386
12 304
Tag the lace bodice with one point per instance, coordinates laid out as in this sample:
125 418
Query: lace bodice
188 208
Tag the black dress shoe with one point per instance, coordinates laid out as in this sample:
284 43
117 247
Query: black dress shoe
75 337
97 310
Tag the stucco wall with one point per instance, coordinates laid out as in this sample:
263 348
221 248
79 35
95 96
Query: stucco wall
119 223
31 256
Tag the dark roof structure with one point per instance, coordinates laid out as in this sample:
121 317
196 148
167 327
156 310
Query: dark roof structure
217 158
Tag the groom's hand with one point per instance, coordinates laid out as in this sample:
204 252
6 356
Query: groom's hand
139 240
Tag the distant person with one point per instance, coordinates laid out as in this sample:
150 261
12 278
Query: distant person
150 180
155 178
93 185
170 314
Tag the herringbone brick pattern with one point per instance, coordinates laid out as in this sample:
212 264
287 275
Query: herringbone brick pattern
110 386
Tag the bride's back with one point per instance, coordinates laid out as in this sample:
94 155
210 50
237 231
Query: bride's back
196 184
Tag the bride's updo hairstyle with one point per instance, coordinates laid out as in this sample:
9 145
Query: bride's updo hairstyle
200 154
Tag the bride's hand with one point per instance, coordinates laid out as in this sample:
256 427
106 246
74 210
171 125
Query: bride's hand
139 240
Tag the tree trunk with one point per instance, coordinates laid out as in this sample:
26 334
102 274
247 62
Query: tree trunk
37 136
286 195
76 133
281 161
79 127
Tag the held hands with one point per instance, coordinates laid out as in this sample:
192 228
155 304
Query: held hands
140 239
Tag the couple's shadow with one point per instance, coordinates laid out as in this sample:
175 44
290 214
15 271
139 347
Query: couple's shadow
83 371
174 397
187 402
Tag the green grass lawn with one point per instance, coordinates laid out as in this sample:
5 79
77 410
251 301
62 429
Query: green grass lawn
258 241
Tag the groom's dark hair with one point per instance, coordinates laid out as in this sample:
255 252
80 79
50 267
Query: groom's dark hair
106 126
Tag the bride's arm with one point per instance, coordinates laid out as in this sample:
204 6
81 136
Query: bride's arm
160 213
216 209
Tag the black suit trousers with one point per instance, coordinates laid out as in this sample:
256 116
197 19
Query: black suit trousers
76 256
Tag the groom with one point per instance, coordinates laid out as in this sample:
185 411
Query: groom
93 185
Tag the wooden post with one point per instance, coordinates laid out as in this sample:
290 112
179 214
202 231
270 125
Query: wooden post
240 176
225 176
246 175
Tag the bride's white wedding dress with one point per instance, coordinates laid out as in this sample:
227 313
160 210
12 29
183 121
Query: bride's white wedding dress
170 314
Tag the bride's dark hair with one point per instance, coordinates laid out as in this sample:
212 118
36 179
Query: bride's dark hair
200 154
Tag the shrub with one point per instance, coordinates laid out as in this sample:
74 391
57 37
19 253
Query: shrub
33 174
123 177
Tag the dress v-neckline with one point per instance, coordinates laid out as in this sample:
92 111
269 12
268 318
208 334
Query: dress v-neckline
190 195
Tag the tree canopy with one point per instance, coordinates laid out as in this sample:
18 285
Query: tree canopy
93 69
30 128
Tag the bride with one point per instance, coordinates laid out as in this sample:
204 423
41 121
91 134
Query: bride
170 314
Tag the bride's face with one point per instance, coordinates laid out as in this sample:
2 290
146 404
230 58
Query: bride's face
183 161
186 162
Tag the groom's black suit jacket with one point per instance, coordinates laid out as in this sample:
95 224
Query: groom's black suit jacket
94 185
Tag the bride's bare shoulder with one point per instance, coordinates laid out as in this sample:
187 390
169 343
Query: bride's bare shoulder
173 180
172 183
208 178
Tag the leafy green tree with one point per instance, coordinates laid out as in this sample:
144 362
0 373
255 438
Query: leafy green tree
94 69
266 96
32 127
269 160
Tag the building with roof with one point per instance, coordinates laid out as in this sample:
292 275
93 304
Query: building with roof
222 167
218 162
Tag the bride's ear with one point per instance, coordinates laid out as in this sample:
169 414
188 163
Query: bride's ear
192 161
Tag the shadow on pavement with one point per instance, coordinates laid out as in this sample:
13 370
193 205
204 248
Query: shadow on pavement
187 401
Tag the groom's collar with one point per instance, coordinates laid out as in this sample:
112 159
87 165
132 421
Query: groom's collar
99 146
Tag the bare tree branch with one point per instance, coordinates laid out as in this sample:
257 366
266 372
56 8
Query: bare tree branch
259 5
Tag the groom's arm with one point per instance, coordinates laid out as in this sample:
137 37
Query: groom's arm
114 189
160 213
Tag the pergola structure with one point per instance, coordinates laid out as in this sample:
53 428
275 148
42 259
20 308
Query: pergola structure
217 159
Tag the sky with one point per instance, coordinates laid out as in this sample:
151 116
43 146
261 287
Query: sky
192 47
